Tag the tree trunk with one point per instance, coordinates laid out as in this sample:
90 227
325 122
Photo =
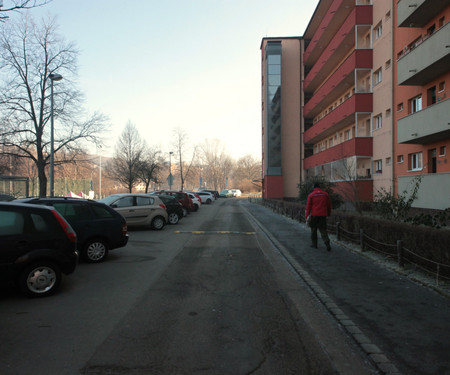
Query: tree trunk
42 178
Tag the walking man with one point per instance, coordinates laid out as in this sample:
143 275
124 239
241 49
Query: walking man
318 206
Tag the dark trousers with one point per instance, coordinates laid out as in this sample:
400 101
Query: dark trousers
320 223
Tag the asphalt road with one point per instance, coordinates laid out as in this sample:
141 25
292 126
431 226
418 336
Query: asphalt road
208 296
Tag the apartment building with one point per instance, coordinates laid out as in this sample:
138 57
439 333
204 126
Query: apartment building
422 100
373 101
282 144
338 97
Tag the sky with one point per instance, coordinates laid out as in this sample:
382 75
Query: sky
193 64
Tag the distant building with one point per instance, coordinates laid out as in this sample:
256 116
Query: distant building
281 117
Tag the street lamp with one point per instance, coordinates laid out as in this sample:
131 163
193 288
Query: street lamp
100 174
170 170
53 77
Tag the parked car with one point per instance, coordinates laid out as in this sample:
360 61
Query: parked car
6 198
226 194
37 245
139 209
173 207
99 228
196 200
206 196
215 193
236 192
182 197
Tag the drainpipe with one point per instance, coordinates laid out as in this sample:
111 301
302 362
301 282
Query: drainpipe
393 109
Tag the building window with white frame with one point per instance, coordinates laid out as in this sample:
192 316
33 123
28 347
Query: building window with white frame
347 135
415 161
378 122
378 166
416 104
377 77
378 31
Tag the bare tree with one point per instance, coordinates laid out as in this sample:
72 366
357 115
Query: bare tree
248 169
125 164
217 164
17 5
181 144
150 166
29 54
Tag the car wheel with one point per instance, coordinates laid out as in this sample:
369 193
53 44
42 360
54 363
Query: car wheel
173 218
40 279
95 251
185 212
158 223
195 207
208 201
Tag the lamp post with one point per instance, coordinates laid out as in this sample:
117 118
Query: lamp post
170 170
100 172
53 77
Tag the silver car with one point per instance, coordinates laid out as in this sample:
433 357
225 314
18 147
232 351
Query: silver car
139 209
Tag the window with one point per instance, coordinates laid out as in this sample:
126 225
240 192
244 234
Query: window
378 31
387 65
378 122
347 135
416 104
388 161
441 22
330 142
100 212
378 166
11 223
377 76
388 112
415 161
400 159
124 202
144 201
442 151
441 86
399 107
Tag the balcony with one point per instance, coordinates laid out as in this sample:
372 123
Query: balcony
340 117
427 61
342 42
429 125
417 13
341 80
355 146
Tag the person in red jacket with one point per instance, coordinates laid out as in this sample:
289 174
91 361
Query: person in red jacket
318 206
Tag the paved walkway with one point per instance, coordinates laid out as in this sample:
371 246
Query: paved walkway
404 327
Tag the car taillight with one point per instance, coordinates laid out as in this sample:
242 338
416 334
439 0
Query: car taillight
124 229
68 230
163 206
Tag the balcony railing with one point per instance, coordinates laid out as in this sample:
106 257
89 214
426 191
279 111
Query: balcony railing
352 147
426 60
340 117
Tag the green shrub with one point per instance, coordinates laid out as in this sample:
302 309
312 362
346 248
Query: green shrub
308 186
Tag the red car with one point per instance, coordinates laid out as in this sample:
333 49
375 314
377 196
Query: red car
182 197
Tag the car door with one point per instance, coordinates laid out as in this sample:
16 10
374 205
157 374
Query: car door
79 217
146 210
127 208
